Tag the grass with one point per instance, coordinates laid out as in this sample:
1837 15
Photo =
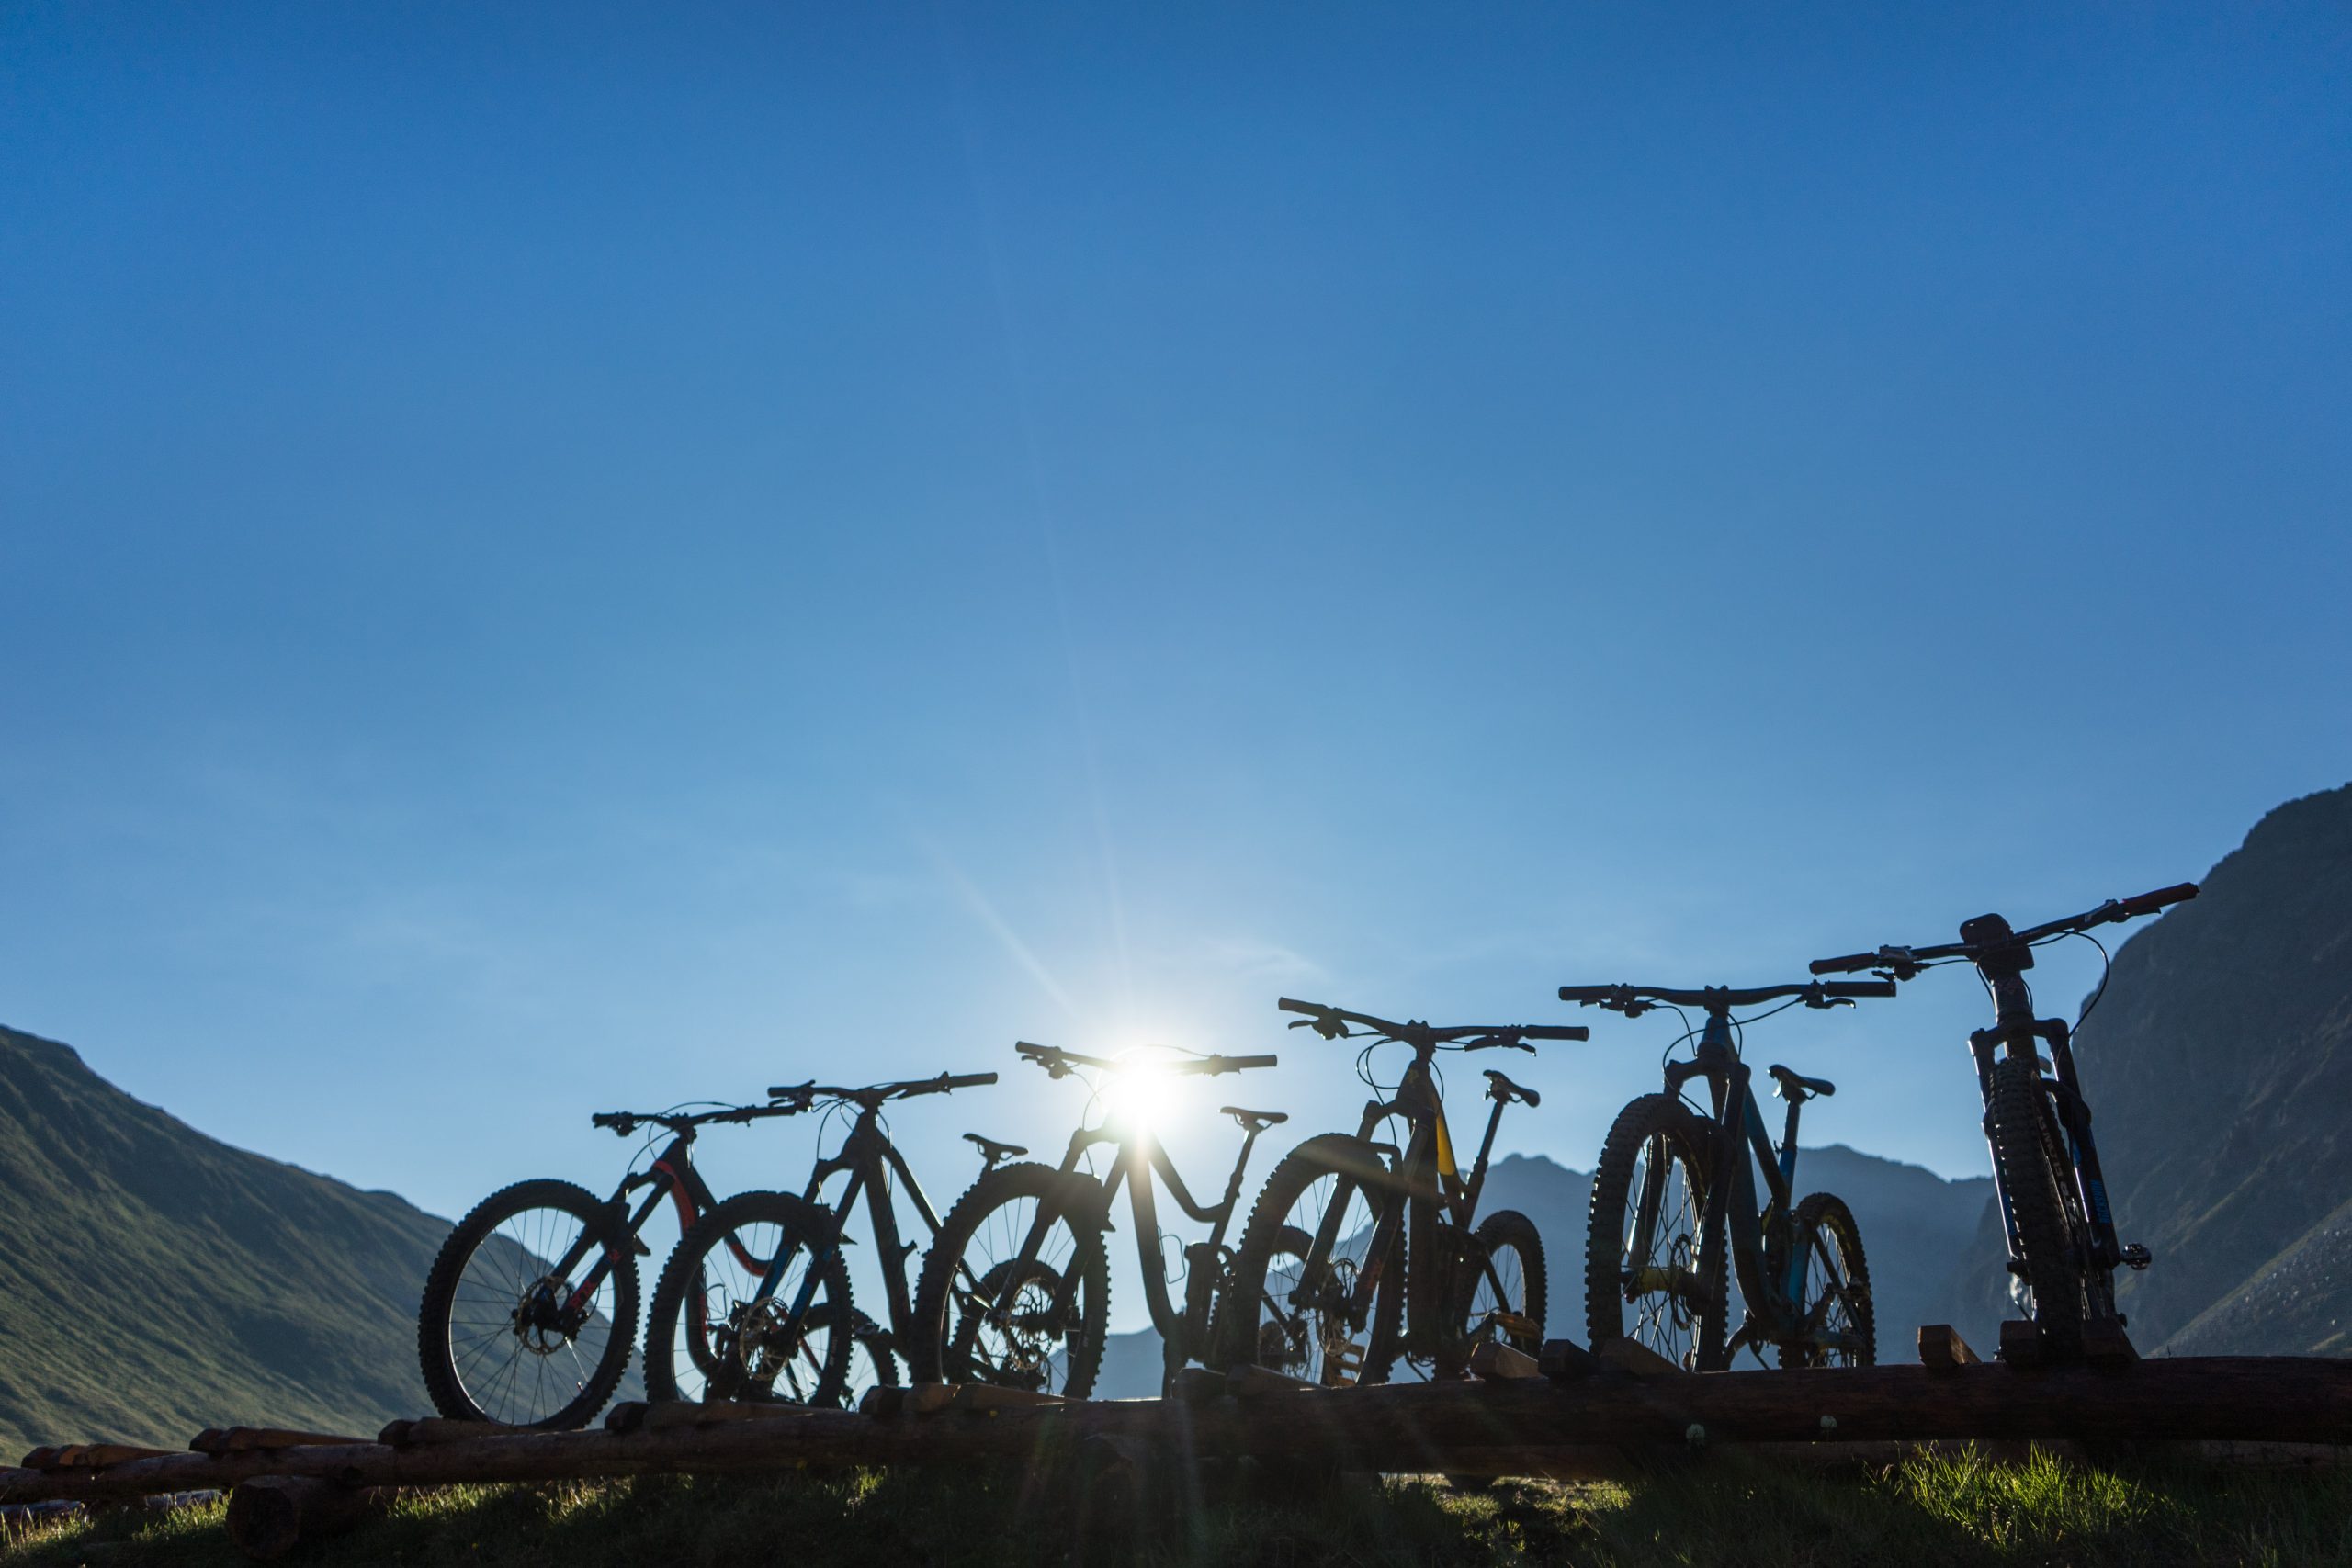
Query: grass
1950 1509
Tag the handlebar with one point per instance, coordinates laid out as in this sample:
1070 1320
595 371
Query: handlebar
628 1121
1905 962
1332 1024
1059 1063
1634 1000
800 1094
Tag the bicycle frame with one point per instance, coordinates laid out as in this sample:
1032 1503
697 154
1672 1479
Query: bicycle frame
1428 1176
1140 1157
672 1176
1758 1237
870 1159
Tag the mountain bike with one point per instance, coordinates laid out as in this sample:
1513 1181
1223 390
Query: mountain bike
1675 1189
1016 1290
755 1304
1358 1252
530 1308
2061 1238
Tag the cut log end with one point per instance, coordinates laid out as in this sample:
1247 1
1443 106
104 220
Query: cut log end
270 1515
1497 1362
1942 1346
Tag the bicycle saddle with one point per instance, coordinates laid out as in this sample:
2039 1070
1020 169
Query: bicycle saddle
1794 1085
1505 1090
993 1150
1253 1120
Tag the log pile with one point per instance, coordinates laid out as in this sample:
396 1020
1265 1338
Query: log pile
1570 1415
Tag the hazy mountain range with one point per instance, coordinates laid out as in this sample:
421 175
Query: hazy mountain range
154 1282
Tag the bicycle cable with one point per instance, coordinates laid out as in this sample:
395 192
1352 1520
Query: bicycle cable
2106 968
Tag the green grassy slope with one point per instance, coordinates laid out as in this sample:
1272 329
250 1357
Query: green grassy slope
1939 1513
154 1282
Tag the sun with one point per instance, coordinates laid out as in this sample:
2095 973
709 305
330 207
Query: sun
1144 1087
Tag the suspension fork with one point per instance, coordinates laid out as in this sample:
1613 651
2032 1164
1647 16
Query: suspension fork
671 1176
2074 1117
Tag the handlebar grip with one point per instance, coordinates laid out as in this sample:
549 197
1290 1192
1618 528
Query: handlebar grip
965 1080
1846 965
1026 1049
1560 1031
1859 988
1587 993
1235 1064
1286 1004
788 1090
607 1119
2149 903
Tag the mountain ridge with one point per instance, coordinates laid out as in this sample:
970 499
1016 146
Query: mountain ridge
159 1280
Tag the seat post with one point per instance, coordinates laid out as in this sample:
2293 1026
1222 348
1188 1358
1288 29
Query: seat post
1796 1098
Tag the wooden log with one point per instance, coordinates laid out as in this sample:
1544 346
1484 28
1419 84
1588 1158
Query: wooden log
882 1403
668 1414
1630 1356
982 1396
2020 1343
2105 1344
1564 1360
1497 1361
427 1430
1195 1384
1535 1425
250 1440
1941 1345
928 1398
88 1455
1257 1382
268 1515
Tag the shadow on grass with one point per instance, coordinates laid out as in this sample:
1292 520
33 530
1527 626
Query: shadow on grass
1951 1510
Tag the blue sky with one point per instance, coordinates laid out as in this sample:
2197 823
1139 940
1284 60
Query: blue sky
568 557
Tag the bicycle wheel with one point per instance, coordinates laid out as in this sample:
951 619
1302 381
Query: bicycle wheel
506 1331
721 1329
1837 1298
1642 1279
1286 1308
2045 1204
872 1365
981 1314
1506 1286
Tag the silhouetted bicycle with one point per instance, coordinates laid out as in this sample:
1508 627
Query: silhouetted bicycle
1674 1187
755 1302
1388 1235
530 1309
1016 1290
2061 1238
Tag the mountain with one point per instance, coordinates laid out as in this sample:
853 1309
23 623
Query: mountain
1913 1223
2219 1064
156 1281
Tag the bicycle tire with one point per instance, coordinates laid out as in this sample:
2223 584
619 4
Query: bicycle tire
2039 1181
1663 1123
1821 1213
440 1357
933 1354
1507 1230
1270 1231
733 1370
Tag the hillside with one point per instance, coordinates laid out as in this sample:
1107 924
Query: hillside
2218 1064
156 1281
